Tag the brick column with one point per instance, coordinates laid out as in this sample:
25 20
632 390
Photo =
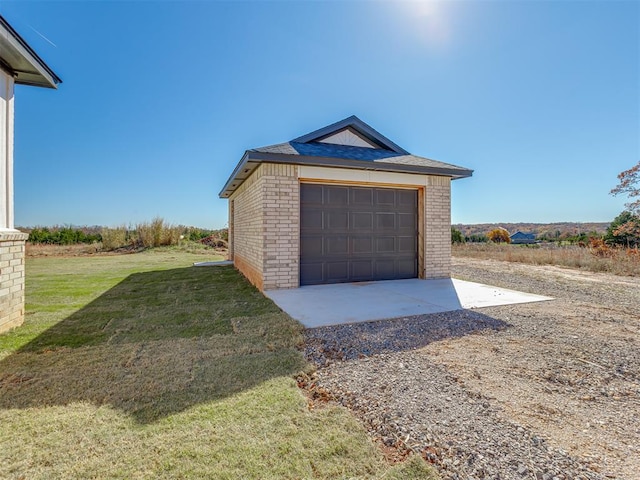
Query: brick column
12 246
281 229
12 242
437 246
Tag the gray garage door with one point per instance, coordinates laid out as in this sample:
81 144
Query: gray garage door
352 234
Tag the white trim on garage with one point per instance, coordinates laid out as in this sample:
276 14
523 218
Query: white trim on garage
363 176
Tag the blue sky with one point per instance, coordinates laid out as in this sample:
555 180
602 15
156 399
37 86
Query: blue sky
161 99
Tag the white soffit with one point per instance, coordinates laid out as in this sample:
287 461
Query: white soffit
22 62
347 137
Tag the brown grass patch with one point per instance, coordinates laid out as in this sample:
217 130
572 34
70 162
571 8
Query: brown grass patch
594 258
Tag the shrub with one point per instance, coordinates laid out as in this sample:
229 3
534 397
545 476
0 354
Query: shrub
114 238
158 233
66 235
194 234
476 238
39 235
456 236
145 235
598 248
214 241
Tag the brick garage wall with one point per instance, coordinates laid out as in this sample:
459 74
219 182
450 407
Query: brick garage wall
12 248
281 226
265 227
246 227
437 231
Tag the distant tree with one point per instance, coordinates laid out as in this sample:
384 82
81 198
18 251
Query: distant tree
456 236
476 238
584 238
629 184
499 235
66 235
39 235
624 230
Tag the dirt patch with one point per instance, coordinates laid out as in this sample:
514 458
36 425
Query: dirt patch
553 395
569 369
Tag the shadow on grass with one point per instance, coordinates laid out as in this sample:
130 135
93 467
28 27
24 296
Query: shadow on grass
156 344
351 341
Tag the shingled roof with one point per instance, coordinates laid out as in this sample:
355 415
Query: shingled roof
380 154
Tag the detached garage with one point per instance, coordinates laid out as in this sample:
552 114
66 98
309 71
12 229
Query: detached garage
341 204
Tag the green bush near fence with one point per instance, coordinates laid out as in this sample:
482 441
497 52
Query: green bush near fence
151 234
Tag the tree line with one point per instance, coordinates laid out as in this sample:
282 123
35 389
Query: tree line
623 231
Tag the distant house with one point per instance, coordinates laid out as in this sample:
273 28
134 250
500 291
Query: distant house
340 204
520 238
19 65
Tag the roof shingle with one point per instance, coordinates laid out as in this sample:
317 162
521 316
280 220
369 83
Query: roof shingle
309 151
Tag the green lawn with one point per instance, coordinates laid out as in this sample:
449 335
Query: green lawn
141 366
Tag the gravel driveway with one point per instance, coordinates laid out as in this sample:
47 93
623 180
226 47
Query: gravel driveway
530 391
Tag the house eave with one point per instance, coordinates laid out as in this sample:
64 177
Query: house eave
21 61
250 161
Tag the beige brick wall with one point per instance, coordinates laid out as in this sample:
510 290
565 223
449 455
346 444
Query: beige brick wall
281 226
246 227
265 227
11 280
264 223
437 232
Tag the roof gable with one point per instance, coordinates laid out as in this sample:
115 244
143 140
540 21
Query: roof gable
349 143
348 137
356 127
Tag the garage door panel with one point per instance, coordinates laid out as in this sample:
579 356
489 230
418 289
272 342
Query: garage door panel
385 196
385 221
407 198
312 219
337 196
357 234
407 244
361 270
407 220
385 244
385 269
407 269
312 194
361 196
311 246
361 221
362 245
337 271
337 220
336 245
313 273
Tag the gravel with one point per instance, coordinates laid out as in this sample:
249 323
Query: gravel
539 391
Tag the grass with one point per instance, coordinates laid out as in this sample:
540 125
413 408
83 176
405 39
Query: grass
617 261
141 366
